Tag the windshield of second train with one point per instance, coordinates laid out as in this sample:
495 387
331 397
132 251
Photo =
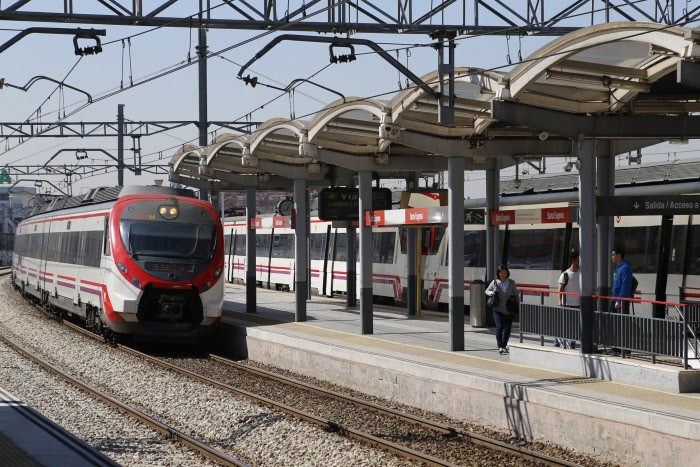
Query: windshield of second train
168 239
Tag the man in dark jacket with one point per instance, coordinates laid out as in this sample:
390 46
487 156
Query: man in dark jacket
622 286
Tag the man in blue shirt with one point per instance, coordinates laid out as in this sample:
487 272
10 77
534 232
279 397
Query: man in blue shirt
622 286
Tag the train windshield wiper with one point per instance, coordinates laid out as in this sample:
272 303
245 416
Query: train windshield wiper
134 256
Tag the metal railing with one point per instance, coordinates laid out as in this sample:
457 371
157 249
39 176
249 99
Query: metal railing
671 337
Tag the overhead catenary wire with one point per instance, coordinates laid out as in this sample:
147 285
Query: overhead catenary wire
261 35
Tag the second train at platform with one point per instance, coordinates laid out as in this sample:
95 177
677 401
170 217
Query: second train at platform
665 256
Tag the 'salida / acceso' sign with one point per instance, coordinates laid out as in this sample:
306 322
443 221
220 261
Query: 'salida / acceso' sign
343 203
648 205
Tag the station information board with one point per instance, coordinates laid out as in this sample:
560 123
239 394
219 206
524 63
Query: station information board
648 205
343 203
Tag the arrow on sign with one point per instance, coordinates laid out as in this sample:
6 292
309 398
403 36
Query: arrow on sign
636 205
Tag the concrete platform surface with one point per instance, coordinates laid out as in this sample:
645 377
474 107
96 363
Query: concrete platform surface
27 438
407 359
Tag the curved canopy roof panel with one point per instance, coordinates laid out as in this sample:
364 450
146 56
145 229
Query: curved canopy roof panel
601 69
350 125
614 68
414 109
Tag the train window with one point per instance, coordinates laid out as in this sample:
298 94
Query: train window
317 246
475 249
341 246
262 245
227 243
283 246
436 237
534 249
193 241
92 247
679 235
107 248
239 247
640 244
384 244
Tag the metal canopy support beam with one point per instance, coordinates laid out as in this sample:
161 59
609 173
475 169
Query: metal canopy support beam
250 263
446 112
202 184
120 144
587 222
366 293
301 253
271 182
294 172
599 127
368 16
360 162
688 73
202 73
455 225
485 148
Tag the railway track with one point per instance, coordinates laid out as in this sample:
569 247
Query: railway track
204 449
415 429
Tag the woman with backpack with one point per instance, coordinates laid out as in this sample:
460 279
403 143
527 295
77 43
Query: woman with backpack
504 299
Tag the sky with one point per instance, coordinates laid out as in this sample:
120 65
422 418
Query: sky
174 96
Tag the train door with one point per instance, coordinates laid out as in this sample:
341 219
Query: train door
676 279
230 246
691 267
319 256
44 273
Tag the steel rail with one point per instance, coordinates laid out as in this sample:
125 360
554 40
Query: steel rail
446 429
332 426
172 433
328 425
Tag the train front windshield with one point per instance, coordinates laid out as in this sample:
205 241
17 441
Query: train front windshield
168 239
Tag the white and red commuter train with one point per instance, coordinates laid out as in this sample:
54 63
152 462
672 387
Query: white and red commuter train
663 256
135 260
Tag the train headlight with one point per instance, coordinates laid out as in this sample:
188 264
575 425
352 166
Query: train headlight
217 273
136 282
207 284
122 268
168 212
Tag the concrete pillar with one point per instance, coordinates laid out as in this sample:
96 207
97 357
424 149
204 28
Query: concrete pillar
301 251
250 266
587 209
493 250
455 226
351 270
411 253
365 182
606 186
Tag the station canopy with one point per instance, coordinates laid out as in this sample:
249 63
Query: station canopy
614 69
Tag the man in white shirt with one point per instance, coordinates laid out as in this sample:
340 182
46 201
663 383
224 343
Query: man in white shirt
570 283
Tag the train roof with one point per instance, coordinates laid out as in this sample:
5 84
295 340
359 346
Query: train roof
104 195
634 175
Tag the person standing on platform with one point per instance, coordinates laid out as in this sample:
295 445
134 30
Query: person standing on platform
503 288
569 281
622 285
